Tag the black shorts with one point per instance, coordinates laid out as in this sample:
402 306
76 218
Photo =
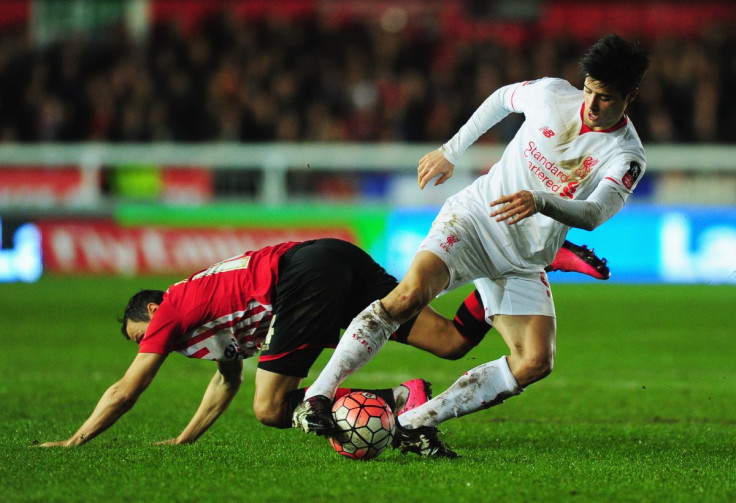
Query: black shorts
323 284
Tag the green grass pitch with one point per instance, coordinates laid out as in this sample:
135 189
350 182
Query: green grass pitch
641 406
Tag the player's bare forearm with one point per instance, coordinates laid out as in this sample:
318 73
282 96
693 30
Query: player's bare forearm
117 400
109 409
216 399
514 208
431 165
220 392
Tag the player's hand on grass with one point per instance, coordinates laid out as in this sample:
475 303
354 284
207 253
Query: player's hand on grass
515 207
431 165
170 441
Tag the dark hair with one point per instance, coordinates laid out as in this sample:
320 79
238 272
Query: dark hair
615 62
137 308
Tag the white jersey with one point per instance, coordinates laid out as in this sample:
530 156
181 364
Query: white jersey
553 152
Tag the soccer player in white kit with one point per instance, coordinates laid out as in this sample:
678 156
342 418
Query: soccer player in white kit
573 163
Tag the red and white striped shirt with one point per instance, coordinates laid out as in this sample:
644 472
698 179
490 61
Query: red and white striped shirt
220 313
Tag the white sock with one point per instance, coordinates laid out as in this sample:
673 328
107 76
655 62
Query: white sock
480 388
365 335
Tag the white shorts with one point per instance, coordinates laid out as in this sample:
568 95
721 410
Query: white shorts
521 295
503 288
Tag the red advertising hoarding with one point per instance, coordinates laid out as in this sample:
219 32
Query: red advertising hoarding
103 247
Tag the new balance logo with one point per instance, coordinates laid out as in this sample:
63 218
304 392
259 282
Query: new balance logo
547 131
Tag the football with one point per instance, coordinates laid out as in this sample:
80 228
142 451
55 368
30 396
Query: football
365 423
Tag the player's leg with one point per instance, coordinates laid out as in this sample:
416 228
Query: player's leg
273 396
531 339
532 342
426 278
433 332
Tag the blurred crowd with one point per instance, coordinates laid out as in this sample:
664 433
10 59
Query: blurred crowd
312 80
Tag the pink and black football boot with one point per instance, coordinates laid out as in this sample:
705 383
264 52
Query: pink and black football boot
574 258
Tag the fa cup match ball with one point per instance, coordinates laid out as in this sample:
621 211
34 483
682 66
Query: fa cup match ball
365 425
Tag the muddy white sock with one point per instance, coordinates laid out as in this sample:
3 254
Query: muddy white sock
365 335
480 388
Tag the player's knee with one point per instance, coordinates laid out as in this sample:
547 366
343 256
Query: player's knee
405 302
538 366
266 413
534 367
543 366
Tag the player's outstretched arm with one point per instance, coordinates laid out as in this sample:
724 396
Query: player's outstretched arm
117 400
222 389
